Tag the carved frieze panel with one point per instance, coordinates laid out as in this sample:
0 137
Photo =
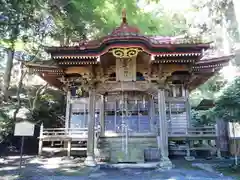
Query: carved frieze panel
123 86
162 70
162 73
143 86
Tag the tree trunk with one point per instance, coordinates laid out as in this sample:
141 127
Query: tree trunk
7 73
20 85
61 41
38 92
236 17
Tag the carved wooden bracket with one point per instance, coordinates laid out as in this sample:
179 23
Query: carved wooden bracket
89 84
163 75
125 52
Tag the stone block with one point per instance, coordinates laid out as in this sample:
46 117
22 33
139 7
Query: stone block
111 148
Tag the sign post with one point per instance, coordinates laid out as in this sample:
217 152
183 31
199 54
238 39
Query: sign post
21 153
23 128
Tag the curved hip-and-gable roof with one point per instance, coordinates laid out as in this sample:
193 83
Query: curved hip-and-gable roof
130 36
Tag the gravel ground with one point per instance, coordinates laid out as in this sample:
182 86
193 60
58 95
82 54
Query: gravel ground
73 169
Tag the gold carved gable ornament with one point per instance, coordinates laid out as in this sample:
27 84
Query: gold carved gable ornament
125 52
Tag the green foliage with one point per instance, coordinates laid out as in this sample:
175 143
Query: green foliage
153 23
6 125
20 16
202 117
75 20
209 90
50 108
228 104
98 18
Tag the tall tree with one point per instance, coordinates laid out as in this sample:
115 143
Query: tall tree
228 104
93 19
19 17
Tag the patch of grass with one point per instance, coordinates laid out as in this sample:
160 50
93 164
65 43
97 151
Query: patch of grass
230 171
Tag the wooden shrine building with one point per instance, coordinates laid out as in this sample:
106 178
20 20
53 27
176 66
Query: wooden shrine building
127 93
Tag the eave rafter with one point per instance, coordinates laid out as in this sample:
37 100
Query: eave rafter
212 65
206 66
78 62
178 55
166 61
74 57
39 70
126 51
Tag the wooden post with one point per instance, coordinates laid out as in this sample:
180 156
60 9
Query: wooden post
189 157
188 151
68 111
183 91
219 155
90 160
188 110
67 115
40 143
102 116
69 148
152 115
174 91
163 130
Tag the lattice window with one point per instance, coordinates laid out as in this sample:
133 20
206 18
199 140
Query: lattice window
133 113
176 91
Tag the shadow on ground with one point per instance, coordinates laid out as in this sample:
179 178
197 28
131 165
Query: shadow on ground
58 168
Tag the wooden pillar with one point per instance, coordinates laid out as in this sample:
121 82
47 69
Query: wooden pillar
174 91
163 130
219 154
68 111
188 156
69 148
183 91
152 115
90 160
188 151
40 143
188 110
102 116
67 114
